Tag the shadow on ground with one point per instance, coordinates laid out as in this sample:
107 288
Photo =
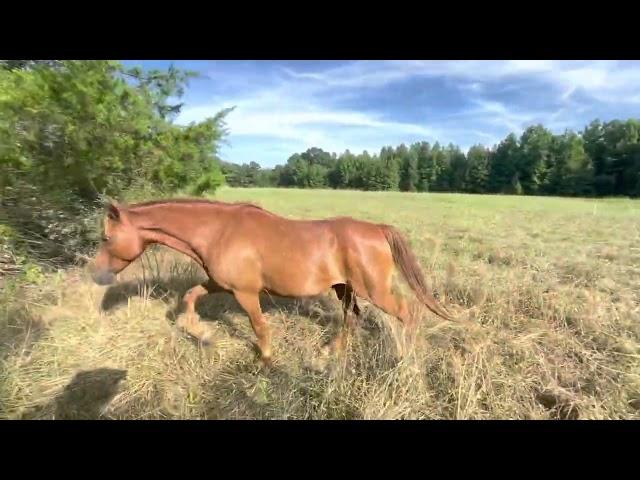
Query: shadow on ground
323 309
84 398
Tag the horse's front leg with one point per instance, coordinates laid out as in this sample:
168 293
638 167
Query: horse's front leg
190 321
250 302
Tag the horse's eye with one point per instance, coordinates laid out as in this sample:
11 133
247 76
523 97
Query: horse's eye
105 238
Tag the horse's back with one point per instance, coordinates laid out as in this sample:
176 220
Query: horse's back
274 232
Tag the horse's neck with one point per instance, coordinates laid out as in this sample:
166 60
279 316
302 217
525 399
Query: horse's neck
170 229
153 236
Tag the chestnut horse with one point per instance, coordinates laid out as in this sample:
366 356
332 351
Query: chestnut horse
246 250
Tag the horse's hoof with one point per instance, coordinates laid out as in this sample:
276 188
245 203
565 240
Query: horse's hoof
186 321
206 340
267 363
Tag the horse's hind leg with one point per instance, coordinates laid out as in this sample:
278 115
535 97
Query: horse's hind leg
343 289
377 286
250 302
397 306
350 312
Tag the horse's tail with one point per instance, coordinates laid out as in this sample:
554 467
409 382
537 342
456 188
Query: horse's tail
405 259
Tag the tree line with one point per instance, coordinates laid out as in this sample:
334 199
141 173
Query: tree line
601 160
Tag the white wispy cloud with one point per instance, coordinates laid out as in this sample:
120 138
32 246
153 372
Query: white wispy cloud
296 113
605 80
295 110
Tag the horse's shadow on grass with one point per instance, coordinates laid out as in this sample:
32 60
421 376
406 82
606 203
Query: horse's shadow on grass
84 398
221 307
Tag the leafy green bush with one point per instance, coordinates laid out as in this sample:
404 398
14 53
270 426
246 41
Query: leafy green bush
72 132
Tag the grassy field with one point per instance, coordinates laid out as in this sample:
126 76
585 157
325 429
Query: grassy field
546 290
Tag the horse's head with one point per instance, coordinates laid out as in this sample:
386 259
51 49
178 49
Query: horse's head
121 245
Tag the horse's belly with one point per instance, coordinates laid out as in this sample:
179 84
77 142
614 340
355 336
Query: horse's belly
301 280
300 288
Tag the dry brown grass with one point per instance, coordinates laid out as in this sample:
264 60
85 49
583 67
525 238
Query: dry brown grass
546 291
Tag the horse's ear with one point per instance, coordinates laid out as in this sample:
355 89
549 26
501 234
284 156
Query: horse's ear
113 211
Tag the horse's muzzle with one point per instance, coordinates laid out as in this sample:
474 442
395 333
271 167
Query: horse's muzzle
104 277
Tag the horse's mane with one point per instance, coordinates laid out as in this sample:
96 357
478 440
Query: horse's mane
187 201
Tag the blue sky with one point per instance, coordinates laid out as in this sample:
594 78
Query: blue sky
284 107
